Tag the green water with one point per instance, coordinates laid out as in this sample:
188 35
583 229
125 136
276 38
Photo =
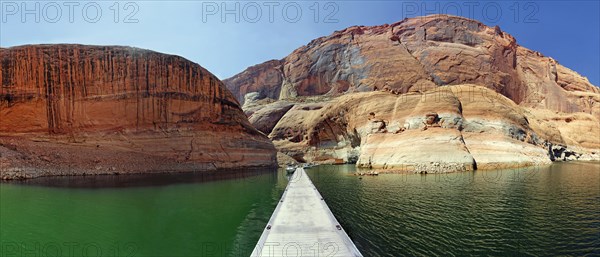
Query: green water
527 212
535 211
217 218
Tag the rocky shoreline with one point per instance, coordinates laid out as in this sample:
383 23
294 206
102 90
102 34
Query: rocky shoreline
23 158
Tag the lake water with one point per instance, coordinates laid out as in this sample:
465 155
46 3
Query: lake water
552 210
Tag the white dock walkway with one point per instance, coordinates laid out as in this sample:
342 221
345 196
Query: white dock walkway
303 225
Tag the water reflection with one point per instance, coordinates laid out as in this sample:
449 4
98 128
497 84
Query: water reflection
145 180
550 210
531 211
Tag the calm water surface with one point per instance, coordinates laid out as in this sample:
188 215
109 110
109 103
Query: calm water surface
536 211
158 215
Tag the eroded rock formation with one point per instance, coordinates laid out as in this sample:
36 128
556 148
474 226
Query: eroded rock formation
476 128
117 109
418 54
434 93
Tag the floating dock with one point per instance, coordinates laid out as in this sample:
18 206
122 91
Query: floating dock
303 225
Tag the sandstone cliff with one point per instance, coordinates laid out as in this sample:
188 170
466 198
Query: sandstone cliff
111 109
366 94
418 54
474 128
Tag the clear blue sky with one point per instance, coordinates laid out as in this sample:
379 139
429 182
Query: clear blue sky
568 31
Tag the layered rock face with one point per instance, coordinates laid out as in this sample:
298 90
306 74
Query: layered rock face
264 79
476 128
419 54
436 93
118 109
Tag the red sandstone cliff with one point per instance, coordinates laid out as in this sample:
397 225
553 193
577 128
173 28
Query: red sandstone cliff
154 111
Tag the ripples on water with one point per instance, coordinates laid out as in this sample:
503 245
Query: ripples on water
533 211
536 211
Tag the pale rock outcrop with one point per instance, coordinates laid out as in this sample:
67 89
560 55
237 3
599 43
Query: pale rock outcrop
431 151
476 128
265 118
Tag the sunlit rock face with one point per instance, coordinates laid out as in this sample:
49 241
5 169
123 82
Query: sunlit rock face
148 111
418 54
352 95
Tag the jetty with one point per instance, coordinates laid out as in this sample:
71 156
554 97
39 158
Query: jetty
303 225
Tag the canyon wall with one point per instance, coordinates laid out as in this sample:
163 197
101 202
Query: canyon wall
120 101
418 54
363 95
